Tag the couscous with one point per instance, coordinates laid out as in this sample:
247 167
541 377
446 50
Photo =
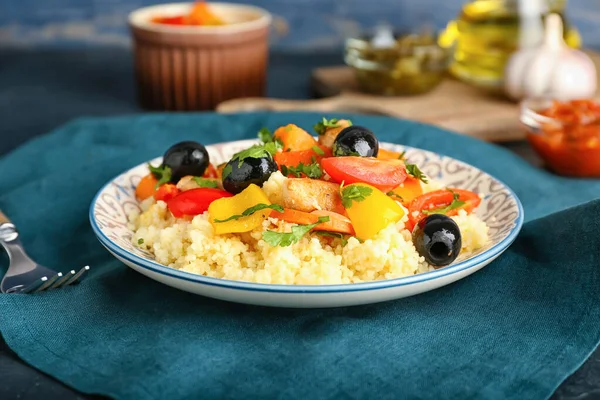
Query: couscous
295 210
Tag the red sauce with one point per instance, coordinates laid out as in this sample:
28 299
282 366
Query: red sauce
199 15
570 145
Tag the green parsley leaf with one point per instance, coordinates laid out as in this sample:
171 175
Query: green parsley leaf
256 151
456 203
140 241
392 194
252 210
318 150
340 152
269 147
269 142
285 239
312 171
226 171
265 135
156 171
272 147
163 173
354 193
333 235
322 126
205 183
413 170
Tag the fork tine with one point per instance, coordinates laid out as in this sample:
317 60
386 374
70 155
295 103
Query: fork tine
34 285
77 275
47 284
59 282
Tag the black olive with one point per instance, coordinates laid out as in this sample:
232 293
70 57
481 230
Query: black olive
238 175
438 239
186 158
355 141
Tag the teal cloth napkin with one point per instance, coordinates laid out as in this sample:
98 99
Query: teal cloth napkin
514 330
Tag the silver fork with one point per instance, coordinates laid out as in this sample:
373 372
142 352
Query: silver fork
25 275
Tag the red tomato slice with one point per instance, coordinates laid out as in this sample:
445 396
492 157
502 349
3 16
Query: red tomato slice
166 192
385 175
439 199
195 201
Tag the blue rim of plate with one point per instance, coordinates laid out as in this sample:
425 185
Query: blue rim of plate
309 289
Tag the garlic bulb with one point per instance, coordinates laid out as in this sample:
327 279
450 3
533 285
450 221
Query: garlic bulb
550 70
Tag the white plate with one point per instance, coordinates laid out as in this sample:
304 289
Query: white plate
500 209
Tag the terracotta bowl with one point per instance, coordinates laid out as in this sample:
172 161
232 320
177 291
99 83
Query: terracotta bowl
186 68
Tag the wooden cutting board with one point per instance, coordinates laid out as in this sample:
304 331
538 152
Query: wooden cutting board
452 105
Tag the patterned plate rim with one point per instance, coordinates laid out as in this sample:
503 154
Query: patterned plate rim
155 267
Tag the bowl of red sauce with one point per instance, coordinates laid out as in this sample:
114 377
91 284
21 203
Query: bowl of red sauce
565 134
193 56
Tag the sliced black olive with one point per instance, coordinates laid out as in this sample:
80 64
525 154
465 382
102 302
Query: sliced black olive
238 175
355 141
186 158
438 239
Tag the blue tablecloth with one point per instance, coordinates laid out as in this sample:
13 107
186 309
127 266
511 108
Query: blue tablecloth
514 330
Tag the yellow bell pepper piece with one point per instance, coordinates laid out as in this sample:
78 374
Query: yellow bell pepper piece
227 207
408 190
369 209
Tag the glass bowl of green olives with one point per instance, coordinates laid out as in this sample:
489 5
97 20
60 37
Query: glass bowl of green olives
390 64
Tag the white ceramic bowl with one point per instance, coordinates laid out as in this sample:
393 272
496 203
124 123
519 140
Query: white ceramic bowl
500 209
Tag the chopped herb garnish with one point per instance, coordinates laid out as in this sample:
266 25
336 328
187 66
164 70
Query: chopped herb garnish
204 182
252 210
318 150
312 171
268 147
256 151
402 155
334 235
284 239
354 193
162 173
325 124
392 194
140 241
226 171
414 171
456 203
265 135
271 144
272 147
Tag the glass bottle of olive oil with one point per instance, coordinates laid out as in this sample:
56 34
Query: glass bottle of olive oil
487 32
